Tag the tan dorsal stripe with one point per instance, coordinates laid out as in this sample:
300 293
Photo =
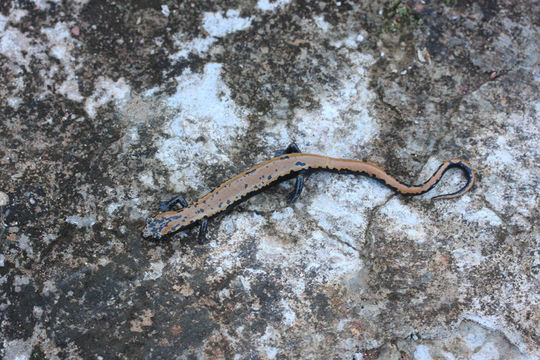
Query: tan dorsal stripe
269 172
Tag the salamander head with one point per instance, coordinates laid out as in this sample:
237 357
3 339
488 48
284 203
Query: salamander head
161 225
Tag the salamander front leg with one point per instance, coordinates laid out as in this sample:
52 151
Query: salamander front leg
202 231
291 149
297 187
166 205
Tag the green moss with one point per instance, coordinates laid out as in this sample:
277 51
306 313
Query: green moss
37 354
398 16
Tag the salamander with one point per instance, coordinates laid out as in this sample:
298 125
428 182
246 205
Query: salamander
287 164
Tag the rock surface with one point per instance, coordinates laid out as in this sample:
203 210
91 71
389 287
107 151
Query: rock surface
107 108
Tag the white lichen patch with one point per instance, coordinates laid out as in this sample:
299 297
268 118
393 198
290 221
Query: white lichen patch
112 207
269 343
61 40
330 261
283 214
197 46
339 204
479 333
155 270
205 118
223 258
511 182
466 258
107 90
14 45
203 96
336 262
269 5
18 349
218 25
14 102
323 25
289 316
3 22
147 179
49 288
484 216
25 244
501 154
58 44
21 349
45 4
350 41
4 198
342 115
404 219
298 286
422 353
81 221
20 280
468 341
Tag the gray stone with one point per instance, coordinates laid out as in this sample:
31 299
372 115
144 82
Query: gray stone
108 108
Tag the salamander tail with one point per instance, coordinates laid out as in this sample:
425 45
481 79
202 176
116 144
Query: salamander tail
467 171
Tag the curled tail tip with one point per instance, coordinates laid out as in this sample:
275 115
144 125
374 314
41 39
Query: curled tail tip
469 173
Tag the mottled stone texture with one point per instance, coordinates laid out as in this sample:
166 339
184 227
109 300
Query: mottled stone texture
107 108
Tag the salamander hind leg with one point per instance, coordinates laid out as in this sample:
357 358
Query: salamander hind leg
166 205
291 149
297 187
202 231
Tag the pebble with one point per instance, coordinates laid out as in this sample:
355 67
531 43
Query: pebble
76 30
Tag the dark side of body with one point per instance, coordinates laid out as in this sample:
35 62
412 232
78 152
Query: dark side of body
287 164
